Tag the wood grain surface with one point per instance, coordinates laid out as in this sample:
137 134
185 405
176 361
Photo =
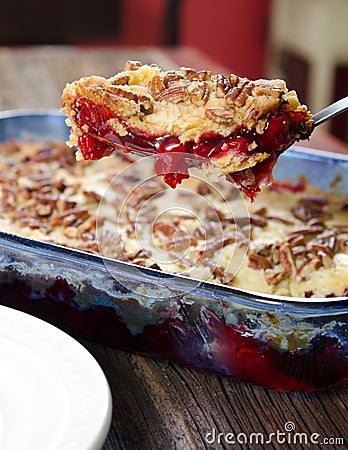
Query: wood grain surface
158 404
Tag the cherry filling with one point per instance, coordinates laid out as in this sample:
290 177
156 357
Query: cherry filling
213 345
283 128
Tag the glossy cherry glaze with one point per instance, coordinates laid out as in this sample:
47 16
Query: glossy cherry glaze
282 130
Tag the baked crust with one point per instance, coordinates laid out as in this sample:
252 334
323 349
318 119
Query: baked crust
234 122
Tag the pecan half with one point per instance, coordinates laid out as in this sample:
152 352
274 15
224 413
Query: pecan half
268 89
222 86
132 65
233 79
220 115
305 231
121 81
219 271
188 71
243 95
121 92
156 85
238 95
175 94
200 75
173 77
200 94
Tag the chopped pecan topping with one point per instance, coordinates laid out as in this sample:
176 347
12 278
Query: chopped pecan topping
69 216
286 259
308 230
71 232
322 249
279 219
44 210
258 262
309 208
164 228
341 227
92 195
89 246
216 243
274 276
258 220
310 264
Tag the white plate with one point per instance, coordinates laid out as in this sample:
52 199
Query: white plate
53 394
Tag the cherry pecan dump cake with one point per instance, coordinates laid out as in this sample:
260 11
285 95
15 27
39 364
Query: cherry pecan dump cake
240 125
293 242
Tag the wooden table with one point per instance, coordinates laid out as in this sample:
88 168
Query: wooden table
158 404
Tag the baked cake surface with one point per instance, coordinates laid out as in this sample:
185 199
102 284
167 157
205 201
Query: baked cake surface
293 241
238 124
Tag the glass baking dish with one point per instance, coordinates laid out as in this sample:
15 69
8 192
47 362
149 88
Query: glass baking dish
278 342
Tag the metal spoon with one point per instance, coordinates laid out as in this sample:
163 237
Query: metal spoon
330 111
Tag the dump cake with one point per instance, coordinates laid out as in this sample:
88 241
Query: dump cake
240 125
293 241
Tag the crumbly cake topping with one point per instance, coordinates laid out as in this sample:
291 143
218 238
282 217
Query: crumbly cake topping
239 125
186 103
293 242
44 194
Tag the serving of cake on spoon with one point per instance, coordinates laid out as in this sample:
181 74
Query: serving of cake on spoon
241 126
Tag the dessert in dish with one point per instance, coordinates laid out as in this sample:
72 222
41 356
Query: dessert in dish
239 125
252 337
292 242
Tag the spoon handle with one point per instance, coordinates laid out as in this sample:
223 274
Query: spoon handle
331 111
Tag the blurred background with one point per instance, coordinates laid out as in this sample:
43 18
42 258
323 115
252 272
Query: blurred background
303 41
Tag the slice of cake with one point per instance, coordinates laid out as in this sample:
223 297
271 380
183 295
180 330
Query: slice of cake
239 125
